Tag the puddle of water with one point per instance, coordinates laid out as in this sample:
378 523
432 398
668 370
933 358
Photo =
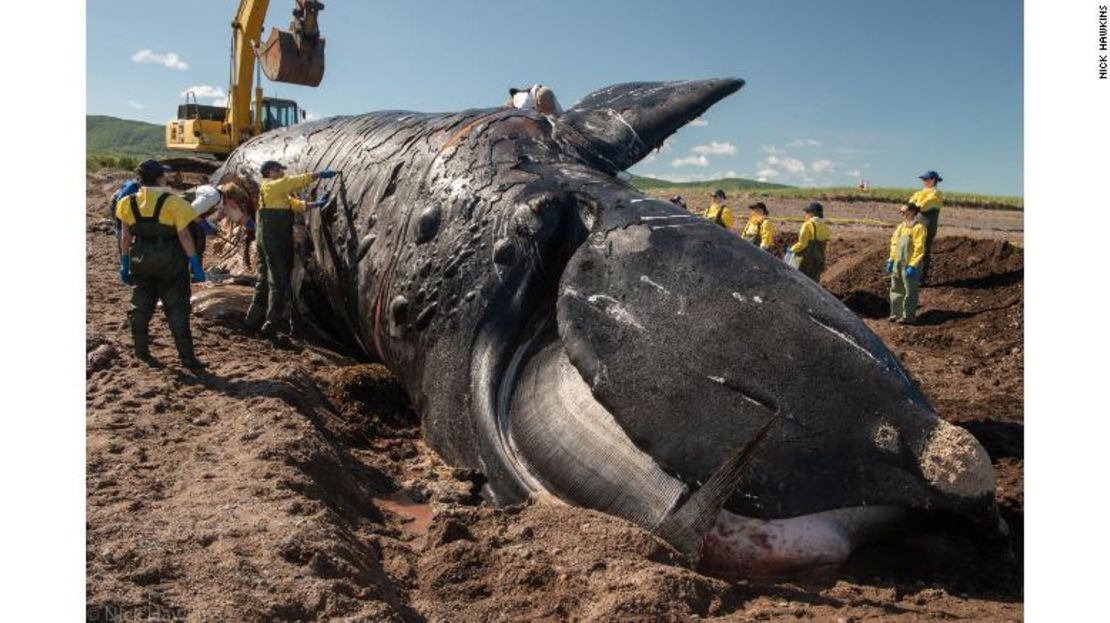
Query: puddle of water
416 518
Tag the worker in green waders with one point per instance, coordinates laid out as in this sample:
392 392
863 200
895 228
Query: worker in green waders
813 239
718 212
156 257
759 230
907 254
929 201
269 310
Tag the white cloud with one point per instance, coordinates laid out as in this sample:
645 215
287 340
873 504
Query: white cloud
764 174
169 59
696 161
699 122
822 166
793 166
310 115
134 104
770 149
715 149
853 173
219 98
804 142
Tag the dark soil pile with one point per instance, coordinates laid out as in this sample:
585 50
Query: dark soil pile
290 483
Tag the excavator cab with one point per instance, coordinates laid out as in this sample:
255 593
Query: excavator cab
296 56
279 113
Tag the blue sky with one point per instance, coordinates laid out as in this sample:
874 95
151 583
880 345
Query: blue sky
835 90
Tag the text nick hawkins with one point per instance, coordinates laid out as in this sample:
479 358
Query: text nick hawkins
1102 41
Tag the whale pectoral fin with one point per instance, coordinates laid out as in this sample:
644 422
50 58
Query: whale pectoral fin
686 526
623 123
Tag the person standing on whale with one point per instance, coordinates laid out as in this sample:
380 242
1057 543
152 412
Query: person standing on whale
276 208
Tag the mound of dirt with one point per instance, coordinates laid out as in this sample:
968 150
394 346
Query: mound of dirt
290 483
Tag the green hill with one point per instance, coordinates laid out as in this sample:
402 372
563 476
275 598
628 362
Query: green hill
121 143
727 184
123 136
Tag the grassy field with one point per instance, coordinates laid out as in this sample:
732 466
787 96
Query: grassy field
851 194
846 194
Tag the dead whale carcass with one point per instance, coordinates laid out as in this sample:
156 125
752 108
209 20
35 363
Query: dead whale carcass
571 337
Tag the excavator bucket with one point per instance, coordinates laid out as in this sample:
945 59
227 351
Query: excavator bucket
285 59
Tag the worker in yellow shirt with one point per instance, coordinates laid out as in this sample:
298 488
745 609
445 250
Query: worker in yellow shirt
718 212
813 239
929 200
276 208
759 230
157 256
907 253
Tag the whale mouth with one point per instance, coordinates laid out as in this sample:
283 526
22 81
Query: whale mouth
562 445
565 446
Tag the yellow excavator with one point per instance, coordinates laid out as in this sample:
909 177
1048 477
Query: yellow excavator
295 56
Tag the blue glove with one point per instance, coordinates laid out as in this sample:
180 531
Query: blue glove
207 227
125 269
890 266
322 201
250 224
195 269
327 174
911 272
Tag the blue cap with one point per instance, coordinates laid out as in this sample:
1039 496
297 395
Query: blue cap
931 175
152 168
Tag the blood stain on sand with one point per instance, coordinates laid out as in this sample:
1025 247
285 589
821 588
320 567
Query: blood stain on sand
416 518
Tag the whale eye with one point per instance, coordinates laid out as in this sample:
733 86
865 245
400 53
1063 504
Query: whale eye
526 221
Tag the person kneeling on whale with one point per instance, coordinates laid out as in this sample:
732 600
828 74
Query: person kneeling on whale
907 252
759 230
276 209
157 256
537 97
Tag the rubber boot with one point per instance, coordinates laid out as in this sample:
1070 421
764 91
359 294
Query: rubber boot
183 340
185 352
141 345
252 322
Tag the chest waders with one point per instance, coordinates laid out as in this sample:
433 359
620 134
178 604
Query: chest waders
812 262
930 219
719 217
272 292
754 235
159 272
903 289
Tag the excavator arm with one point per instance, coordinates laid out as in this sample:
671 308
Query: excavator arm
296 56
246 32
